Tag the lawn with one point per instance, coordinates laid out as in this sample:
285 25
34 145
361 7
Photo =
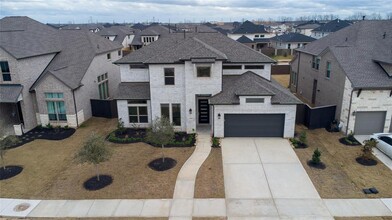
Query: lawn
343 177
282 79
209 180
50 172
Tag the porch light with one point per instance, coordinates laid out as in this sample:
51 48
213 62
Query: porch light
190 111
219 115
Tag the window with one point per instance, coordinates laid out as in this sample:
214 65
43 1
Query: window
257 35
231 67
254 67
176 113
138 114
203 71
315 62
5 70
298 45
108 56
119 53
103 86
254 100
328 74
138 66
137 101
294 78
288 46
165 111
169 76
56 106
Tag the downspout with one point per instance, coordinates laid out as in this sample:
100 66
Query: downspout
213 120
76 111
349 111
296 83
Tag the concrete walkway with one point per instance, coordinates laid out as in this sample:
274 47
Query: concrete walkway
185 185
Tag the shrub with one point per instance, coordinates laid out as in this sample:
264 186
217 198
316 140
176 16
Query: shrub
302 138
316 157
368 148
215 142
49 126
5 144
120 126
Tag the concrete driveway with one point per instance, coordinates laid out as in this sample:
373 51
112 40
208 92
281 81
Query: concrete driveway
264 178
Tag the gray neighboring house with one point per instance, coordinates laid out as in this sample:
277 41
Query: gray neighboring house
49 75
148 35
329 27
352 69
121 34
286 43
204 80
307 27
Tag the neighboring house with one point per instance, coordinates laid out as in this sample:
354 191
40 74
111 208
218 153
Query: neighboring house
121 34
329 27
148 35
90 27
251 31
246 41
352 69
204 79
53 74
307 27
290 41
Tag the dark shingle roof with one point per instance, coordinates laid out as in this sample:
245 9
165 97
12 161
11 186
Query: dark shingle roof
133 90
88 27
174 48
244 39
249 28
333 26
308 25
9 93
120 32
154 30
293 37
24 37
251 84
357 48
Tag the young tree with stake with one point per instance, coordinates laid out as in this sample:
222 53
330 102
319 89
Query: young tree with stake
161 133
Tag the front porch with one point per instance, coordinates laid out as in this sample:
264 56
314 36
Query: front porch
10 109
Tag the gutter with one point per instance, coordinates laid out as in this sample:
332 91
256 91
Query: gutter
76 111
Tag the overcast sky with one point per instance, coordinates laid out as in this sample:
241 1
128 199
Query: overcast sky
84 11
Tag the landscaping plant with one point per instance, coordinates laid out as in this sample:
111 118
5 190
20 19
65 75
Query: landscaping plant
368 148
215 142
302 138
161 133
316 157
94 151
120 126
5 142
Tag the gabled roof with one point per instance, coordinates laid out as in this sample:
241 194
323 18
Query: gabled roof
332 26
358 49
24 37
249 28
139 26
308 25
9 93
120 32
174 48
79 47
293 37
251 84
154 30
244 39
88 27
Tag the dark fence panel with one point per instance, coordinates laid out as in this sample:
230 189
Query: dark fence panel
317 117
280 69
104 108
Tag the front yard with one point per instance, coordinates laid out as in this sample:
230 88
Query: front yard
51 173
343 176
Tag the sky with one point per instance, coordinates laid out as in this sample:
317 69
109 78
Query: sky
87 11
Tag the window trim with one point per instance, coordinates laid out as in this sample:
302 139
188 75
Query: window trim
203 66
168 78
255 100
138 115
328 70
6 75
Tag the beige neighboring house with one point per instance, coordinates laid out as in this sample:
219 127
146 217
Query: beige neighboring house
352 69
49 75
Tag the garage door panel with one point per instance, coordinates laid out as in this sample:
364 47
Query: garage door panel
254 125
369 122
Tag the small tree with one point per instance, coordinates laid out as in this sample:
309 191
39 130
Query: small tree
368 148
5 142
160 133
316 157
302 138
94 151
120 126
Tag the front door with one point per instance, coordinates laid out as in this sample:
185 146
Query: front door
314 91
204 111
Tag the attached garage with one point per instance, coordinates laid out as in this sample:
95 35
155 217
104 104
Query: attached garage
254 125
369 122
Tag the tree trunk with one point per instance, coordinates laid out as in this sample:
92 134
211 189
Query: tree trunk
163 154
97 170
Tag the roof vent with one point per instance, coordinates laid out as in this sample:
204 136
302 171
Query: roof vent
384 35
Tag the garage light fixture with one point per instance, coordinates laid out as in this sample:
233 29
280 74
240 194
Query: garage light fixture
190 111
219 115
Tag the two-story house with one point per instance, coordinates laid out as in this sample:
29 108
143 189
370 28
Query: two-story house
352 69
49 75
148 35
204 79
121 34
307 27
329 27
288 42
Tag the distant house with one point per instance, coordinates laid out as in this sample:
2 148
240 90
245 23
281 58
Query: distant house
148 35
251 31
121 34
307 27
290 41
90 27
352 69
53 74
329 27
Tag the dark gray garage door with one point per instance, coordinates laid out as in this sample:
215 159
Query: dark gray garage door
369 122
254 125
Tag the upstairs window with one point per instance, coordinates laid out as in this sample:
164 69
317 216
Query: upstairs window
5 70
119 53
169 76
328 72
138 66
254 67
231 67
109 56
288 46
254 100
294 78
103 86
203 71
315 62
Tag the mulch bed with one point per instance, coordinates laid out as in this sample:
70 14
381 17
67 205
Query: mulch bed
131 135
93 184
320 165
44 133
9 172
349 141
162 165
366 162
